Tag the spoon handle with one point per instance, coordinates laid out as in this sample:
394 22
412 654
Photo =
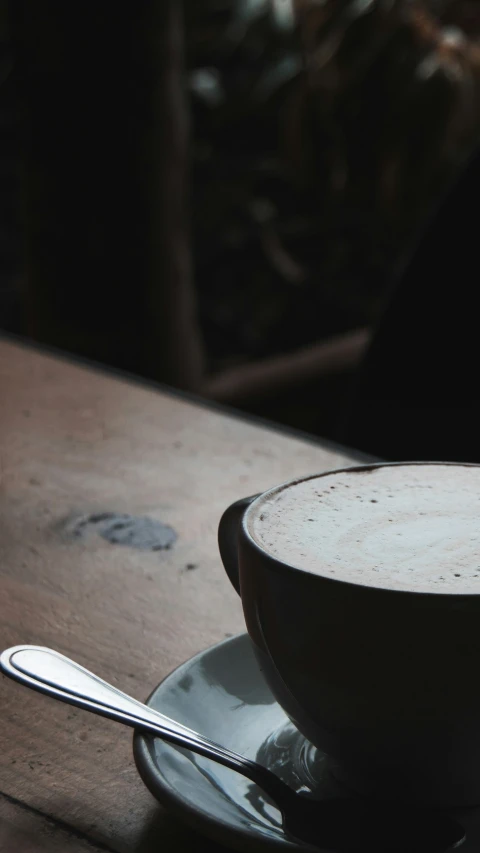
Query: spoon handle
50 672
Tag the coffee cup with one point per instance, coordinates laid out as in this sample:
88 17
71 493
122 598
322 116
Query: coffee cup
361 594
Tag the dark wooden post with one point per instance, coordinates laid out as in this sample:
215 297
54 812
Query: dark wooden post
105 172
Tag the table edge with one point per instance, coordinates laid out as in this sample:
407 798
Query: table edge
189 396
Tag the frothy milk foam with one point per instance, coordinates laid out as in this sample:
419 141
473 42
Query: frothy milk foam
403 527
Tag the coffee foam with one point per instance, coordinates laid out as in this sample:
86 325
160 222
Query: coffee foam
407 527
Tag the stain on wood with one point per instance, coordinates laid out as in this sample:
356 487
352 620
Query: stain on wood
147 534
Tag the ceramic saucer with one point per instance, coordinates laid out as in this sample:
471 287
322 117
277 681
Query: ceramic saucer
222 694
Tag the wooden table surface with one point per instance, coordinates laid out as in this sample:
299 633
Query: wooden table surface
76 443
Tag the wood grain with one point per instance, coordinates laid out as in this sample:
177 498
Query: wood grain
75 442
24 831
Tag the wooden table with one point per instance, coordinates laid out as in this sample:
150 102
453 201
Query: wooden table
74 444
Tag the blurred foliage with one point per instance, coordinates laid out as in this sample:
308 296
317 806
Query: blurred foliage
321 137
322 134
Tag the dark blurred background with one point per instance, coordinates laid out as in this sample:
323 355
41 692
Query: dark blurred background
222 195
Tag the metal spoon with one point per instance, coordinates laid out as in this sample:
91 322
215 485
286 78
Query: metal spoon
344 825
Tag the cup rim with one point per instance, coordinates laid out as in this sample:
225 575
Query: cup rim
283 565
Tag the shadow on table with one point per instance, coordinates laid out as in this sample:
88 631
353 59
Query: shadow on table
165 832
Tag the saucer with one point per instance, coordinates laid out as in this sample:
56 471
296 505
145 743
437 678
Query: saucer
222 694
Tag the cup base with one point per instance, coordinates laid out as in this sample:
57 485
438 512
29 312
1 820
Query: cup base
411 789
